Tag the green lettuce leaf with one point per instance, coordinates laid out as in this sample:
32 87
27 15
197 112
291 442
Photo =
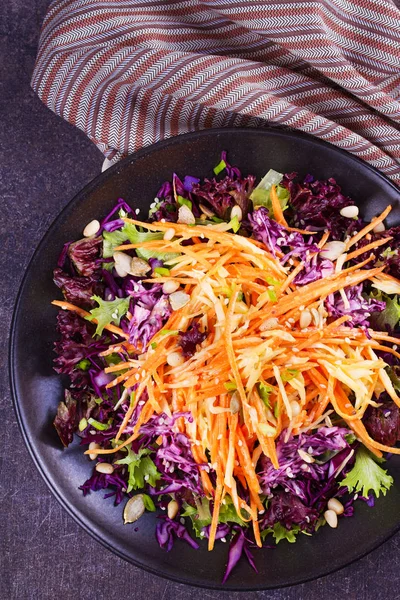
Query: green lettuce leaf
147 253
141 469
228 514
261 194
111 240
201 514
131 233
390 316
108 312
367 476
279 533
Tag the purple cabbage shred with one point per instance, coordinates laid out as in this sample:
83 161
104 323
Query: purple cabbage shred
167 530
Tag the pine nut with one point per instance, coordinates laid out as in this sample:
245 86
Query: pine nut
305 456
91 228
120 271
170 287
206 211
139 267
104 468
296 408
169 234
175 359
332 250
331 518
122 261
93 446
305 319
269 324
336 506
350 212
186 216
379 228
178 300
236 212
172 509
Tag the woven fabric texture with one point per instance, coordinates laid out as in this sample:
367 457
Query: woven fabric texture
130 73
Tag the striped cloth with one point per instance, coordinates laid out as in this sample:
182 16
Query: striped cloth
132 72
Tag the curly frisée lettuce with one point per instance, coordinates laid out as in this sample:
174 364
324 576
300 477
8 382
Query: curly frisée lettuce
128 232
200 515
232 358
133 235
367 476
279 533
108 312
141 469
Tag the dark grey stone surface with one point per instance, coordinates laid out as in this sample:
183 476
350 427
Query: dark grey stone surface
43 553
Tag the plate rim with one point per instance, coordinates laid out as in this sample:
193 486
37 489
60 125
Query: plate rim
41 467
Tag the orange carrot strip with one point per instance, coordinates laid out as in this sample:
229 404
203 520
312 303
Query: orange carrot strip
230 461
276 207
119 367
256 527
216 508
380 335
356 238
367 248
291 277
131 408
245 461
323 240
256 455
118 347
316 290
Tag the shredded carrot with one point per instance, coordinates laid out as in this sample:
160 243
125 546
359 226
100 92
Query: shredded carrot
324 239
216 508
356 238
276 207
367 248
249 308
256 527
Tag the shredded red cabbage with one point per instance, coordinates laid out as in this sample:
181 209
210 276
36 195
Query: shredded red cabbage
167 530
238 545
358 307
298 491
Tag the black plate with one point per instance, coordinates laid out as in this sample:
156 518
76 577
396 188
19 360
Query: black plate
37 389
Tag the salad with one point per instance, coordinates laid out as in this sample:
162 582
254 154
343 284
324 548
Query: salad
232 359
